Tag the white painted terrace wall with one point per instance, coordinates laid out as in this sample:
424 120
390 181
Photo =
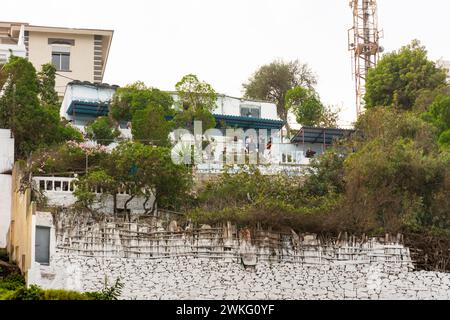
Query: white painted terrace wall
157 264
59 197
231 106
6 165
200 278
6 151
5 207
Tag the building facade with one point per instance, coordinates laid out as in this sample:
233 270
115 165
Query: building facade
246 130
79 54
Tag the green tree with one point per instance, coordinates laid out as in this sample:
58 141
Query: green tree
308 109
33 122
397 174
102 131
195 95
21 110
444 139
3 75
197 100
271 83
69 133
439 115
399 77
150 126
97 180
165 181
146 171
137 96
48 95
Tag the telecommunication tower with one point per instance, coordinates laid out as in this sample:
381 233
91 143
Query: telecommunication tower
364 42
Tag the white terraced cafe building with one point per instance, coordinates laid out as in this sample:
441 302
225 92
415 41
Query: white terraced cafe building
261 130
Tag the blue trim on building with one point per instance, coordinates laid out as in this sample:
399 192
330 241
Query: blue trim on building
228 121
87 108
96 109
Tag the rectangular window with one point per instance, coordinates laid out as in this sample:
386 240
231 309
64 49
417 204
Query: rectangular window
49 185
250 111
61 61
42 185
57 185
61 57
65 186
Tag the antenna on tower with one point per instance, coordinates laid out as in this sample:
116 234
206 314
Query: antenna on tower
364 42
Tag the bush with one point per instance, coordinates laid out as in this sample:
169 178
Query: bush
63 295
37 293
24 293
102 130
12 281
111 293
5 294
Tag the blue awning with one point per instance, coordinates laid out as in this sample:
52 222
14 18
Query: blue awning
88 108
227 121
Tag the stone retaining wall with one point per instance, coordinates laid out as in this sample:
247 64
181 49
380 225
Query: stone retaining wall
201 278
162 260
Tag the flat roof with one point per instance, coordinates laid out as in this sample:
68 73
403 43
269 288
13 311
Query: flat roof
15 26
320 135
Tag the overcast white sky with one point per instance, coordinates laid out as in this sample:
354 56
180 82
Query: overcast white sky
225 41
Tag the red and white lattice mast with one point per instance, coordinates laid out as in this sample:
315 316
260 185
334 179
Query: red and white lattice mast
364 42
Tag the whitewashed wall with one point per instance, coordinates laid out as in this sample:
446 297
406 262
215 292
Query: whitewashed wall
227 105
60 198
86 93
189 278
6 151
6 165
5 207
170 265
231 106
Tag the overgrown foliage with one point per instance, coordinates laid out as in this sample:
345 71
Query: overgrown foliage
149 111
249 198
102 131
308 109
400 76
137 96
34 292
392 175
197 100
48 95
27 107
150 126
140 170
68 158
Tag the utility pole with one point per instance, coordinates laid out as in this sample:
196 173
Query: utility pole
364 43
